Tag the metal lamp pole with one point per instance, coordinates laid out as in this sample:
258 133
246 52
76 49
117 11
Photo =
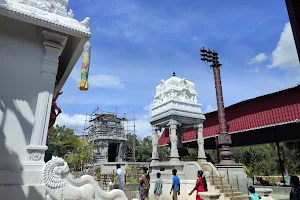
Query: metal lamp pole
224 138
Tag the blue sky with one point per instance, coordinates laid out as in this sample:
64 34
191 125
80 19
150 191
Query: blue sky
136 43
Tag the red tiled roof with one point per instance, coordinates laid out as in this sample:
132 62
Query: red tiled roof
267 110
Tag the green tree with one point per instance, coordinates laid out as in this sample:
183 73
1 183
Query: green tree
144 149
130 146
62 142
162 152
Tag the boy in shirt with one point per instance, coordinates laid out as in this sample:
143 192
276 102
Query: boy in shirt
158 187
175 185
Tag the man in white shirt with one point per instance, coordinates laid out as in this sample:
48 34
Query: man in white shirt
121 177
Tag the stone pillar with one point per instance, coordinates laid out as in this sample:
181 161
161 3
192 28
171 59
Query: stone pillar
173 124
53 45
155 156
200 141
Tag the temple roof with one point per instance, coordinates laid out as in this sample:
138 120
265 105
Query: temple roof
49 14
175 83
175 97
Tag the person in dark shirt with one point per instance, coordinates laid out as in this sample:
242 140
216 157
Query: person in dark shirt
295 191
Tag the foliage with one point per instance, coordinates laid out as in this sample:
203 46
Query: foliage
130 146
162 152
143 148
98 173
62 142
193 152
114 178
262 160
131 174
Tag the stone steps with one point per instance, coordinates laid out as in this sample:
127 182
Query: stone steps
229 192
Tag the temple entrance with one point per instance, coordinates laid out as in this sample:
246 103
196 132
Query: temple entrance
112 152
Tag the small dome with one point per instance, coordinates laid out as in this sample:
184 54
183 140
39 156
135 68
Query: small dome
175 89
175 83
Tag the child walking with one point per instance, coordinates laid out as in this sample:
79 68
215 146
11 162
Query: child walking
252 194
158 187
175 185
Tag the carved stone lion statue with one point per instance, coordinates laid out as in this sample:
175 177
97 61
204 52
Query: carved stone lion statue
61 185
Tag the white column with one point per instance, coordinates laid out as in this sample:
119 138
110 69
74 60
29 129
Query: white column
174 150
53 45
155 156
200 141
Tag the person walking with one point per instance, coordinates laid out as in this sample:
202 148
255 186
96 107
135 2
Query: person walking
144 185
175 185
200 185
121 177
158 187
295 191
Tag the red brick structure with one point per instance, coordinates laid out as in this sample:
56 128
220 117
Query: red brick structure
273 115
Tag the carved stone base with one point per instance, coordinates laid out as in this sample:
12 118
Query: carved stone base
226 156
22 192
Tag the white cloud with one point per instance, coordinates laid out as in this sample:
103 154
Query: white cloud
258 59
142 126
93 99
254 70
100 80
75 122
210 108
285 54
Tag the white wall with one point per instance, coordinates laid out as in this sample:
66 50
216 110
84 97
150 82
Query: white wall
21 57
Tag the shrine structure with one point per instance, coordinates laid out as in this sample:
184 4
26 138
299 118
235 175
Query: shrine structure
40 44
175 110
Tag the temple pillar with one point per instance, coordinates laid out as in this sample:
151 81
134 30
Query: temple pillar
155 156
53 46
173 124
200 140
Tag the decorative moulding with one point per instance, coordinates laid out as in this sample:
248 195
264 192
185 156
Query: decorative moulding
175 95
53 12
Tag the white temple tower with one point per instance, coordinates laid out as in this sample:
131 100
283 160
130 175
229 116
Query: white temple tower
40 43
176 107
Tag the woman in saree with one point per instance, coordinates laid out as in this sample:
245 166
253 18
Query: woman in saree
200 185
144 185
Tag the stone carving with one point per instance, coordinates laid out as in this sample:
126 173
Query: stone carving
86 22
53 12
70 13
60 184
36 156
